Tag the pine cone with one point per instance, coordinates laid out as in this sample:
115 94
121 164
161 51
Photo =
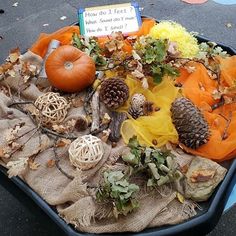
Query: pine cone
148 108
189 122
135 113
114 92
137 101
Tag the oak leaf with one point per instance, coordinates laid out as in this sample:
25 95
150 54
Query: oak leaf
17 167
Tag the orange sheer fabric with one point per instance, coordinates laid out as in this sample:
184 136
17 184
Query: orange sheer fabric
199 87
64 35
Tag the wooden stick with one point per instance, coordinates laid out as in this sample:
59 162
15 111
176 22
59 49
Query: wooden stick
22 145
225 134
219 104
20 103
57 160
51 132
95 112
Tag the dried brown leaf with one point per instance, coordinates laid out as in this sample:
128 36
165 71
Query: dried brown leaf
59 128
12 73
117 35
5 90
180 197
14 55
32 164
202 175
5 67
137 74
77 102
106 119
17 167
184 168
51 163
216 94
105 135
111 46
62 142
2 152
173 49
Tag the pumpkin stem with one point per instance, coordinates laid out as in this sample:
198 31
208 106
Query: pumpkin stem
68 65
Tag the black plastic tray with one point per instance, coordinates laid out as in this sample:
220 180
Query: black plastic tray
201 224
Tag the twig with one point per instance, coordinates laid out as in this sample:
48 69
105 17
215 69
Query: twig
20 103
100 129
110 68
122 63
223 116
29 131
43 129
51 132
194 60
22 145
219 104
57 160
225 134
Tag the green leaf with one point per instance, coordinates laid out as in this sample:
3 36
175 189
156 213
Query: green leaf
155 51
170 70
151 183
119 192
133 187
158 157
131 159
77 41
99 60
157 78
163 180
137 152
123 183
154 170
133 142
120 189
114 176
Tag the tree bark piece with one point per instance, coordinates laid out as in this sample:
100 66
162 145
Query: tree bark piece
95 112
117 119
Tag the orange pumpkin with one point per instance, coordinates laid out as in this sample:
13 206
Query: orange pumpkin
70 69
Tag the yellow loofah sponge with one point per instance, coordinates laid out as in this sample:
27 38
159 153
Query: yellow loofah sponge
186 43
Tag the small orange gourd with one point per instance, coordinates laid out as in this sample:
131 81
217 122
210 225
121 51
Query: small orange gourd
70 69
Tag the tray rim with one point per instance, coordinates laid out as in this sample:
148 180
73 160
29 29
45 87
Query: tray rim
206 220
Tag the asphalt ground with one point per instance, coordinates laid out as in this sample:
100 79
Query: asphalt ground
20 27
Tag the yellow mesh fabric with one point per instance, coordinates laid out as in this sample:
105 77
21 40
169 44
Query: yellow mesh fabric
158 125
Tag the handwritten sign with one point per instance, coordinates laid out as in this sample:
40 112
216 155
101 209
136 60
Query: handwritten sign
101 21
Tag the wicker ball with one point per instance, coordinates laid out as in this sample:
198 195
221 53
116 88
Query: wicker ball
51 108
86 151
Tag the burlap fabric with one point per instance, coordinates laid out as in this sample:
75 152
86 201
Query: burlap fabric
74 199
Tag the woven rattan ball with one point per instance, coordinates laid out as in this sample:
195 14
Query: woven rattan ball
51 108
86 151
